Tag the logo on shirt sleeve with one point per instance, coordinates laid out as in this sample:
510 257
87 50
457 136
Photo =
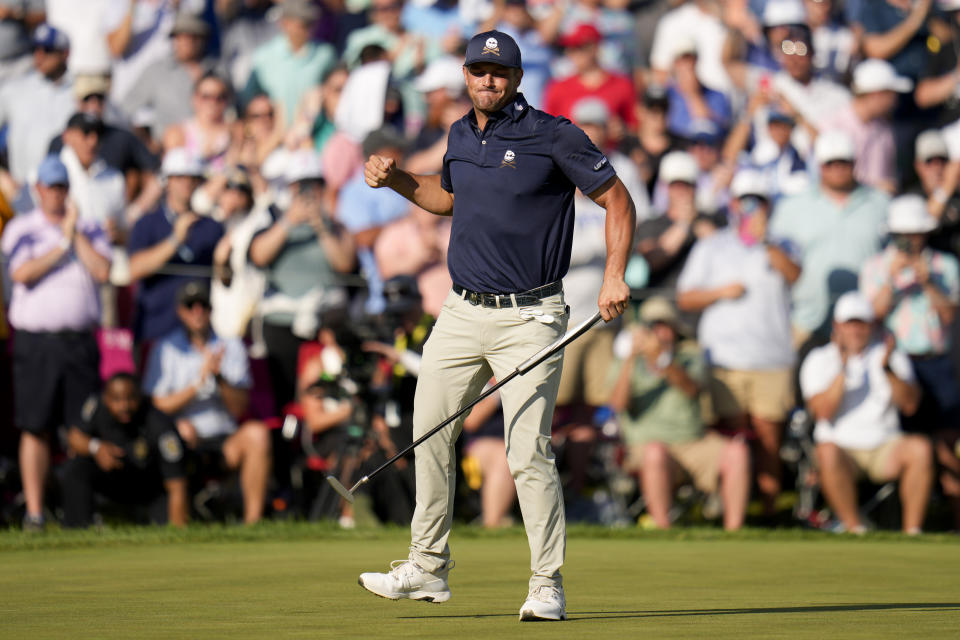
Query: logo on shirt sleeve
509 160
491 46
170 447
600 164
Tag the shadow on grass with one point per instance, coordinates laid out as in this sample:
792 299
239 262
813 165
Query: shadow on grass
672 613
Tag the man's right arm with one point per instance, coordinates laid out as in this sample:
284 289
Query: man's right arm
424 191
148 261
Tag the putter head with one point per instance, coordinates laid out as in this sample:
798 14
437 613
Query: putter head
339 488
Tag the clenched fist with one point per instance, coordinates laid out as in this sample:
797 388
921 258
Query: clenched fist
379 170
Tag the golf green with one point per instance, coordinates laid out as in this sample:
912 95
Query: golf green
271 584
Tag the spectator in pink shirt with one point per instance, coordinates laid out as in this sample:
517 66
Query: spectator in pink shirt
867 120
56 263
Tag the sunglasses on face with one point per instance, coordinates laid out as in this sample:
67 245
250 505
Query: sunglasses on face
837 163
193 304
794 48
258 115
213 97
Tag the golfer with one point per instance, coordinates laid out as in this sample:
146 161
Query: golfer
509 177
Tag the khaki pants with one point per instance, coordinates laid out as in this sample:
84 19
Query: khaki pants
468 345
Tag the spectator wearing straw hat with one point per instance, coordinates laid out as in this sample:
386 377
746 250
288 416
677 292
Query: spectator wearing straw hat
656 393
914 290
855 387
167 246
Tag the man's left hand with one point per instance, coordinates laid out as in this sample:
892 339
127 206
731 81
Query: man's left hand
614 297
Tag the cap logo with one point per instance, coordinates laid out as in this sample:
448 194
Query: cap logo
491 46
509 160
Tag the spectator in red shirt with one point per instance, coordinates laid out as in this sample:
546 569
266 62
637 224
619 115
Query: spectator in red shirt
590 79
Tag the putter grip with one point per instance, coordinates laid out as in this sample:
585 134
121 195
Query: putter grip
550 349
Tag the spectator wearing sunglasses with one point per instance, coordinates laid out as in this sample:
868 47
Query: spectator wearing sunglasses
168 84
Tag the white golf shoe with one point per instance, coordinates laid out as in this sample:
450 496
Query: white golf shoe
407 580
544 602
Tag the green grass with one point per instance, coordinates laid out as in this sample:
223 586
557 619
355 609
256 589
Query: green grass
299 581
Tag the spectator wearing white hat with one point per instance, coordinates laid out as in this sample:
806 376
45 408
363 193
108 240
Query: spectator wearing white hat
739 279
855 386
36 106
915 291
867 120
302 252
778 18
167 240
836 225
933 165
665 240
443 89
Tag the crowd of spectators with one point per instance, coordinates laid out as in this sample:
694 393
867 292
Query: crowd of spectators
198 283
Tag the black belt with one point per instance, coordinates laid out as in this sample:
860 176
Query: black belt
506 300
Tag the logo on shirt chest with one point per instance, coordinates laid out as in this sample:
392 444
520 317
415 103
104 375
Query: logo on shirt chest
509 160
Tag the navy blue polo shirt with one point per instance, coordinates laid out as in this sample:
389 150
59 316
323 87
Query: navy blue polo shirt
513 186
156 306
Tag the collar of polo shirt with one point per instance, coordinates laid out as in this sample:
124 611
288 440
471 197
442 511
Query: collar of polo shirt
513 110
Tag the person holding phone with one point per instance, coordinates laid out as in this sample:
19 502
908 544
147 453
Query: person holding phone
302 252
740 280
914 290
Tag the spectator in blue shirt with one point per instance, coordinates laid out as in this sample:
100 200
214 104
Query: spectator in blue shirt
689 100
364 211
203 382
165 241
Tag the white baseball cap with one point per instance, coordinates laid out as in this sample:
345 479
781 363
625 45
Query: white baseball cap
181 162
679 166
908 214
684 45
442 73
779 13
931 144
590 110
834 145
878 75
303 165
853 306
749 182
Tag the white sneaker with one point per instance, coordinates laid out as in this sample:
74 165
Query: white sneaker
407 580
544 603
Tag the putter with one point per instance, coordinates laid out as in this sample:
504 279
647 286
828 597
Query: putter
524 367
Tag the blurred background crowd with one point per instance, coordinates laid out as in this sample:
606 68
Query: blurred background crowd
206 310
